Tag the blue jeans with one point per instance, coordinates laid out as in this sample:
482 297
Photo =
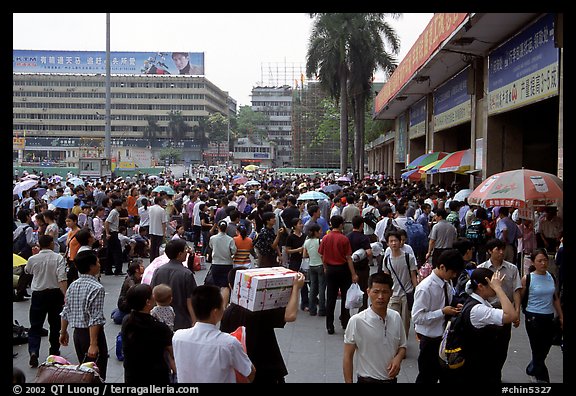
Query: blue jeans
317 296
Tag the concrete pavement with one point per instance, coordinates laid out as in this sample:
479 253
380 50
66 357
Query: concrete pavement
311 355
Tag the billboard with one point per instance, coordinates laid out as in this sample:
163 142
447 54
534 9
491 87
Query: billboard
525 69
94 62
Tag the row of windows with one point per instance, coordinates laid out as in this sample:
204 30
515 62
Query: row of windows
263 103
96 106
123 117
251 149
276 113
116 84
117 95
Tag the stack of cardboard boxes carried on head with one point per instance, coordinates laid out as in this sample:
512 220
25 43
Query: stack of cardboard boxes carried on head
260 289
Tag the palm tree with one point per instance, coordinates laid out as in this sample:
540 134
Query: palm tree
177 127
370 37
344 51
327 59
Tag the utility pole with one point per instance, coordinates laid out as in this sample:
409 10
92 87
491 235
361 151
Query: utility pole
107 145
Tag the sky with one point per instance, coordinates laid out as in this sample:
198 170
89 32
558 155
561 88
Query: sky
242 50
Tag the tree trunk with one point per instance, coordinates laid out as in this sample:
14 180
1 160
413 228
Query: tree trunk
359 108
343 122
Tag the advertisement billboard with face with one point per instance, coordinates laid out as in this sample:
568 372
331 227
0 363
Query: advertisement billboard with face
94 62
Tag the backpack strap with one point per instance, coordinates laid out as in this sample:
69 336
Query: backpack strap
389 262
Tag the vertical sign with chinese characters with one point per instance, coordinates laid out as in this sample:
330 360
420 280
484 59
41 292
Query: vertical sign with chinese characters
418 119
452 104
524 70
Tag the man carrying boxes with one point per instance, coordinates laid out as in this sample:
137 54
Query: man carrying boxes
263 299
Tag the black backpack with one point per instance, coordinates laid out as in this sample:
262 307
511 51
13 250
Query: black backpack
476 233
370 219
452 352
20 244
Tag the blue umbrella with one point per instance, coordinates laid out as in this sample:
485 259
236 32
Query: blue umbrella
312 195
332 188
65 202
167 189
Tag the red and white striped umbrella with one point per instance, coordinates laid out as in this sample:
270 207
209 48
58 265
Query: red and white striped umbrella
519 188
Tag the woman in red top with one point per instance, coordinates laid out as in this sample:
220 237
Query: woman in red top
131 204
72 246
244 247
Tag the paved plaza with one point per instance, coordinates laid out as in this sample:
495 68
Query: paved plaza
311 355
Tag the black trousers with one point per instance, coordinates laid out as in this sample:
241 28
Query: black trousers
540 330
338 277
82 343
155 242
114 253
45 302
429 369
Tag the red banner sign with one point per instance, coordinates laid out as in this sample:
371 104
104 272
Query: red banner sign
440 27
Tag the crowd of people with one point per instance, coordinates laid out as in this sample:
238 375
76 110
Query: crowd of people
483 255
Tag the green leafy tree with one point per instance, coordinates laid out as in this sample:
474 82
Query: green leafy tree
249 123
170 153
217 127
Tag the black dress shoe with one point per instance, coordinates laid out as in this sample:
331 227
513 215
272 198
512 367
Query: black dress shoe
20 297
33 360
330 330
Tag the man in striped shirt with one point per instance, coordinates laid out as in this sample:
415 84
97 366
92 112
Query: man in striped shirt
84 311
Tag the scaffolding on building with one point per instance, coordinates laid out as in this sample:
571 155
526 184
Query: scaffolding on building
277 74
307 113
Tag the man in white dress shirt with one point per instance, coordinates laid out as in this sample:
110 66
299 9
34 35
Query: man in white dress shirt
431 305
203 353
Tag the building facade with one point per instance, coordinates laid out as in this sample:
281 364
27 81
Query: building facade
59 115
489 83
276 104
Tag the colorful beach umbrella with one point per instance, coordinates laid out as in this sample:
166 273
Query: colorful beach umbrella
426 159
413 175
458 161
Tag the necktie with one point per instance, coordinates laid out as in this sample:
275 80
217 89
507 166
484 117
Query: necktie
446 299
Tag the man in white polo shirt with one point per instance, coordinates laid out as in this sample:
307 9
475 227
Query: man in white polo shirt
157 230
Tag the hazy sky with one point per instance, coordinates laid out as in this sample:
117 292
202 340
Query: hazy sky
241 50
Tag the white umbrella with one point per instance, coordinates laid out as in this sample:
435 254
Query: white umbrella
30 177
462 194
252 183
24 185
76 181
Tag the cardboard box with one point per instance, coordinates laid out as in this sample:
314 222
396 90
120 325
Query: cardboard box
262 288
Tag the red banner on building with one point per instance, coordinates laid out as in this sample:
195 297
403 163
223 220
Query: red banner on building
440 27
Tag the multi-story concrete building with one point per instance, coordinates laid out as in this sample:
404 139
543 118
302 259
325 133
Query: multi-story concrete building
57 114
276 104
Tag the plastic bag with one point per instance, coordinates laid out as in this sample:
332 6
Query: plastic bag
354 297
